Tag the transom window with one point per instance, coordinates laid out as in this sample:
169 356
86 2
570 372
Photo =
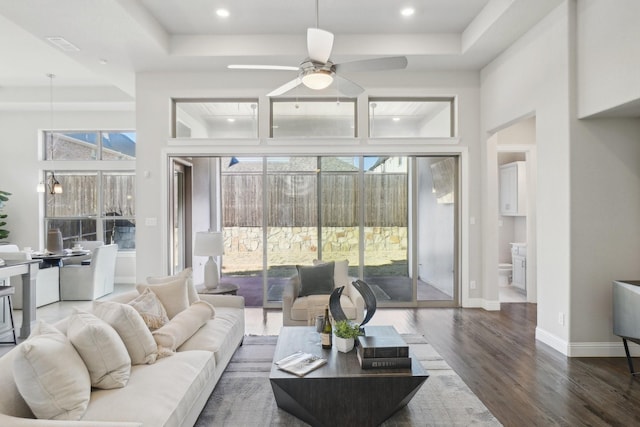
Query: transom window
235 118
411 118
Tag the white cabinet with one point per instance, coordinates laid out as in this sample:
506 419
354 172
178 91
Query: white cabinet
519 272
513 189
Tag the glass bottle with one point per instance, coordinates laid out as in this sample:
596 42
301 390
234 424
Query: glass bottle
326 330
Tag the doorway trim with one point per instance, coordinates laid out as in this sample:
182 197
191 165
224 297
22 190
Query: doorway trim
491 211
393 147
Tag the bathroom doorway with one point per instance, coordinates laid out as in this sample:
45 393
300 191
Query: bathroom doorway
516 190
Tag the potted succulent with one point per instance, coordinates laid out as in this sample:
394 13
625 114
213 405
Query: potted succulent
346 333
4 233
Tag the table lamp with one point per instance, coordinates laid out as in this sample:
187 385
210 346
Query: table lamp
209 243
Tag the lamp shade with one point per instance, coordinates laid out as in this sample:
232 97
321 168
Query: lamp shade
208 243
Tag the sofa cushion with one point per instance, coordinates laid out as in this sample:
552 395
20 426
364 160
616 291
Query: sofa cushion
184 324
305 307
220 335
150 308
128 323
172 295
101 349
340 271
316 280
51 376
186 274
162 394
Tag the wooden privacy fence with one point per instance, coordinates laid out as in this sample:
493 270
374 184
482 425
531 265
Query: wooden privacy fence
292 200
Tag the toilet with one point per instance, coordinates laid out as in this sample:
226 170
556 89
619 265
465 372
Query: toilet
504 274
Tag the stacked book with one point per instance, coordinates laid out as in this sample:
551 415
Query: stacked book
382 347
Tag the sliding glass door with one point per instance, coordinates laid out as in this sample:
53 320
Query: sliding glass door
392 217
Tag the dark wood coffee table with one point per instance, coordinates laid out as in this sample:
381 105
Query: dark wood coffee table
340 393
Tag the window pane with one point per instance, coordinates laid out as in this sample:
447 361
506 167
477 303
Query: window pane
385 227
216 119
79 196
122 232
241 187
119 191
73 229
313 118
71 145
118 145
292 225
340 202
410 118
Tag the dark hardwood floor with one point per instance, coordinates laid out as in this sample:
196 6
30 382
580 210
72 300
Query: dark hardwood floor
524 382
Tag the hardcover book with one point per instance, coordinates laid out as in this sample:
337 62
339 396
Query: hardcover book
382 342
383 362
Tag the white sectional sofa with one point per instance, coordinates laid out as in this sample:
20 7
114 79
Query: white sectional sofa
170 392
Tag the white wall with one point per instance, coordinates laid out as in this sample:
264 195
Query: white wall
608 54
605 226
153 108
19 167
532 77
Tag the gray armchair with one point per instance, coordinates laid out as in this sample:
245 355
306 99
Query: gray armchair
299 310
88 282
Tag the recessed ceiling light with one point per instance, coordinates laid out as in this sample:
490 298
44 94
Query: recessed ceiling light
407 11
231 120
223 13
103 62
396 119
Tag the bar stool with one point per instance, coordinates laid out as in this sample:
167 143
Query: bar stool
6 292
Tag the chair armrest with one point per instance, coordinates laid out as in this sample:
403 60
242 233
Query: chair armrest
356 299
290 292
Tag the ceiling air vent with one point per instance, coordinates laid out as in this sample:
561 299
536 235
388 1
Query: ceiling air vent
63 44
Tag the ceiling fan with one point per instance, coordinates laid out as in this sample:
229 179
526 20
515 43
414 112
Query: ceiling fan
318 72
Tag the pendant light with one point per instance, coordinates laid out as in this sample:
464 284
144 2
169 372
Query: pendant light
52 184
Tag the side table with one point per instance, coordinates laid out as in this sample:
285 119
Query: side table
222 289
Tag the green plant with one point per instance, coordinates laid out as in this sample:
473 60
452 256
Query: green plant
3 198
346 329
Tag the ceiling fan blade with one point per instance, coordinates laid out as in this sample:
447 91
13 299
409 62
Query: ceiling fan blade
319 44
285 87
347 87
261 67
375 64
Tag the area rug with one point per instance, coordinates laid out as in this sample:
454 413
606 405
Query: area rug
243 396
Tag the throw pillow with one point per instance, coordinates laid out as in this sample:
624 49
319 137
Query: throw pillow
172 295
150 308
183 326
316 280
340 271
101 349
133 331
50 375
186 274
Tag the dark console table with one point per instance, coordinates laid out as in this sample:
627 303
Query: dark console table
340 393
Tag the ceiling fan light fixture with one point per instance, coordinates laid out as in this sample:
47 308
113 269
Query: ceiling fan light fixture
318 80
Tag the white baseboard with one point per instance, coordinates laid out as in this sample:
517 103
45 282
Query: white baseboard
482 303
553 341
586 349
602 349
